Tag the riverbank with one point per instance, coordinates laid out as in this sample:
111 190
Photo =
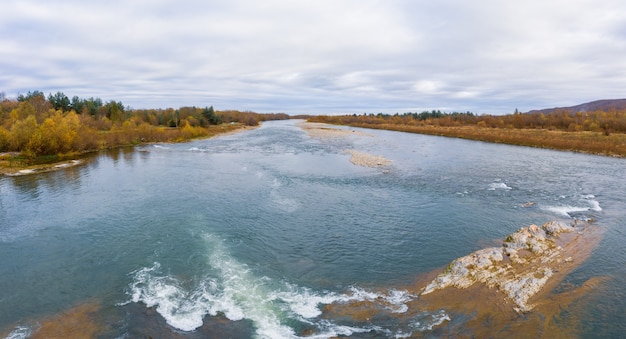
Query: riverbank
599 143
13 164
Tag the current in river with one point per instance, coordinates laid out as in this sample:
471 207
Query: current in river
255 234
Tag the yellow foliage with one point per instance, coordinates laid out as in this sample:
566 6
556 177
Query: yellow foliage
23 110
57 134
21 132
5 136
37 127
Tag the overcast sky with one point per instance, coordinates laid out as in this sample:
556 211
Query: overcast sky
318 56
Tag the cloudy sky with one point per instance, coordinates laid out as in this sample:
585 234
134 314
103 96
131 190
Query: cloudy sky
318 56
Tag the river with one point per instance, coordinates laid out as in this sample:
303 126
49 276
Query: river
253 234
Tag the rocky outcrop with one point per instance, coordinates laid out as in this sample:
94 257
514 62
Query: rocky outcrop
519 269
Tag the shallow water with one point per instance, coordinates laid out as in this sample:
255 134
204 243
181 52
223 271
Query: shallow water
252 234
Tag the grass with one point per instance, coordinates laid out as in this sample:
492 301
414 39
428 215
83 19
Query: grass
599 143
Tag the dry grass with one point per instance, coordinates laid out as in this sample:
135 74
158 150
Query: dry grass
586 142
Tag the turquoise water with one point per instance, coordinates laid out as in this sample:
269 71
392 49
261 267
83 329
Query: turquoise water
251 234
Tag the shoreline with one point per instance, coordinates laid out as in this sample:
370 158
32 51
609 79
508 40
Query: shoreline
586 142
76 160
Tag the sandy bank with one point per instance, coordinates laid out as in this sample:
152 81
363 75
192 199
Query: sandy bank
241 128
325 131
40 168
366 159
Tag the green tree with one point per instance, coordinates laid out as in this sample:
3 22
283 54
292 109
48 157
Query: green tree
115 111
92 105
77 104
209 114
30 95
59 101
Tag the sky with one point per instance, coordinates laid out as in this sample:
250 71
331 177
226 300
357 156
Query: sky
318 56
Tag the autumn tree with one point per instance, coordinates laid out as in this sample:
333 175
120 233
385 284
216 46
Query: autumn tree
21 132
38 100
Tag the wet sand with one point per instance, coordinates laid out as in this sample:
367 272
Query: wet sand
89 320
77 322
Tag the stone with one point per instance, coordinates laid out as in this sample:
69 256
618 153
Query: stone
532 253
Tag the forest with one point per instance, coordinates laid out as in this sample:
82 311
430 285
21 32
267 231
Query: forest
598 132
33 126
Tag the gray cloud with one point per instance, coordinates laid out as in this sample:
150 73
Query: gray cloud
318 56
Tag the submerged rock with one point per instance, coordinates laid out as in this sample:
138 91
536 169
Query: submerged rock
519 269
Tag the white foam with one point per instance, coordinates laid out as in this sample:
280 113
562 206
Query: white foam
498 186
595 205
160 146
233 290
303 301
179 309
565 210
331 330
429 321
20 332
568 210
393 300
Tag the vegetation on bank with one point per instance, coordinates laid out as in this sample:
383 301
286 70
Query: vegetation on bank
598 132
34 127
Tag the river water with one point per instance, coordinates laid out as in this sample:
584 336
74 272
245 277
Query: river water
253 234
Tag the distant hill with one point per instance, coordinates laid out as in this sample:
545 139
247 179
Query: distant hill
599 105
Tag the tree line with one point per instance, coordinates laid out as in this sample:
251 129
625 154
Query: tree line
35 125
611 121
597 132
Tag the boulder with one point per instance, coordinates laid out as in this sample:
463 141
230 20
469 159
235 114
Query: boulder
532 253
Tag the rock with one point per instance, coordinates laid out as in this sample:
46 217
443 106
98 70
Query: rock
556 227
524 287
464 271
533 255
